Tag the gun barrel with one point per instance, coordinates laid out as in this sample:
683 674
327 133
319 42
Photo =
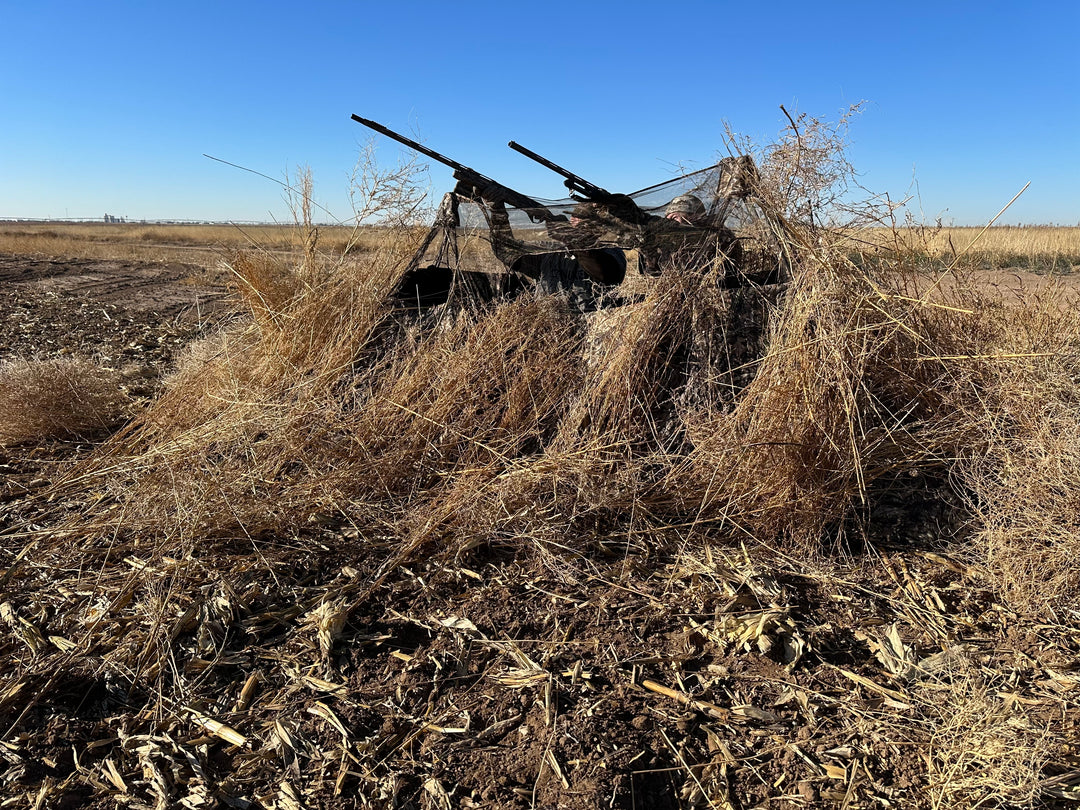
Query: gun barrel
419 147
573 182
470 182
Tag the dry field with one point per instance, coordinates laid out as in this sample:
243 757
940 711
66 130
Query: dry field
1042 249
204 245
267 543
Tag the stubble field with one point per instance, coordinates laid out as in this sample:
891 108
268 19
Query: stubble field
296 554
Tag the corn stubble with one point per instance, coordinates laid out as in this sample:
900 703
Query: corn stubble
638 431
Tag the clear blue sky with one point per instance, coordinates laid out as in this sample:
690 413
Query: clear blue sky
109 106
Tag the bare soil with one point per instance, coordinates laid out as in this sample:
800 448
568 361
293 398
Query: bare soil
116 311
124 315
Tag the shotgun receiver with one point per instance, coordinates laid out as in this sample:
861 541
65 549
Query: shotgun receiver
471 184
620 206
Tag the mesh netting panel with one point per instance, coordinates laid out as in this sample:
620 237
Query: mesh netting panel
691 218
705 221
717 187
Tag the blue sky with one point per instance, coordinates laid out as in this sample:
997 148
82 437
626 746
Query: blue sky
109 106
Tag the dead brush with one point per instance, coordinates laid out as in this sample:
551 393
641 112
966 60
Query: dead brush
321 403
264 284
313 409
1026 538
58 398
608 390
641 363
847 392
491 388
984 749
249 411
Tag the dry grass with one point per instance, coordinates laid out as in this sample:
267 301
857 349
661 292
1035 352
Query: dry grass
324 403
197 244
58 398
1040 249
986 748
1044 241
1026 530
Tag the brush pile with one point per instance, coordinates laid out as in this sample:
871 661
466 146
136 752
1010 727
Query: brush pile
714 548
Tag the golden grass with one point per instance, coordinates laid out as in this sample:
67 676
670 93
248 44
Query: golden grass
57 398
1038 248
198 244
1031 240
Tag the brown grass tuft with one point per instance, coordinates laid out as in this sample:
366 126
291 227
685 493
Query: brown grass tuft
985 749
58 398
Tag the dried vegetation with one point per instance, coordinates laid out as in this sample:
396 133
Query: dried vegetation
163 242
518 557
58 398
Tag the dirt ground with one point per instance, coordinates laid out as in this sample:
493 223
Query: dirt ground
115 310
514 677
127 316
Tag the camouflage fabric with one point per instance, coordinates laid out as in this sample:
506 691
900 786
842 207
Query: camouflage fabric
579 247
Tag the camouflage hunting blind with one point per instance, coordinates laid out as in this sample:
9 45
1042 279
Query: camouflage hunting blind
583 246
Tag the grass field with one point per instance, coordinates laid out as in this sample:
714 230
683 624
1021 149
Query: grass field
1042 249
199 244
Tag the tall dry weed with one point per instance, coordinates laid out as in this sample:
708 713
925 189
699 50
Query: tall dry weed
247 427
840 399
1026 402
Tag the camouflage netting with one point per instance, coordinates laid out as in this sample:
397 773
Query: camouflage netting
706 220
